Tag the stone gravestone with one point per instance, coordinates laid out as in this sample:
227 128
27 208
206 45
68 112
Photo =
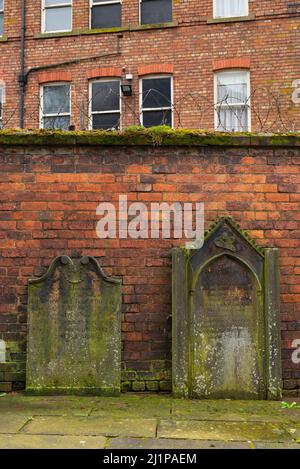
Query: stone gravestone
74 330
226 330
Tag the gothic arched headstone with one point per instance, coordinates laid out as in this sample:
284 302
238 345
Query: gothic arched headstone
226 334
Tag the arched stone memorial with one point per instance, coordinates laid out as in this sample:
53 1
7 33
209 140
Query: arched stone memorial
226 332
74 330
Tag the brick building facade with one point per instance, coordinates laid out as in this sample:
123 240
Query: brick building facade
192 48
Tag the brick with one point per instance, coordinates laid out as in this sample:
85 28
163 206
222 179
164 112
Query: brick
5 387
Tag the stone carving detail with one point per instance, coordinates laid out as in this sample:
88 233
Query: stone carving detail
226 241
226 334
74 318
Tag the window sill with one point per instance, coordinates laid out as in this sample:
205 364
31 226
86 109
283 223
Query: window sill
234 19
3 38
88 32
140 27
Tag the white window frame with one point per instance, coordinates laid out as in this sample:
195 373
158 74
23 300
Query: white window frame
215 11
91 113
140 12
2 12
145 77
107 2
68 3
216 105
62 114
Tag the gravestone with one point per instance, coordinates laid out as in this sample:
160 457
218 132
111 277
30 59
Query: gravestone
74 330
226 331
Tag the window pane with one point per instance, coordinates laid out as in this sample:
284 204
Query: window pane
232 87
106 96
156 92
1 5
56 2
58 19
59 122
156 11
152 118
106 121
233 119
231 8
56 99
106 16
1 24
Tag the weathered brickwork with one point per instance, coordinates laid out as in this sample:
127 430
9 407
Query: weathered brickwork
49 196
267 43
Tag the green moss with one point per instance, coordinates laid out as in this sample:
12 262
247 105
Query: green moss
154 136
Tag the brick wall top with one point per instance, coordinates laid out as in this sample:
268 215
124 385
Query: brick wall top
155 68
48 77
155 136
238 62
104 72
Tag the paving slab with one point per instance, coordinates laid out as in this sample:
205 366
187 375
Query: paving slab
11 423
21 441
269 445
260 411
46 405
161 443
227 431
149 406
91 426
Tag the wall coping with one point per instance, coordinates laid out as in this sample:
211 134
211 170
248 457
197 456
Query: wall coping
155 136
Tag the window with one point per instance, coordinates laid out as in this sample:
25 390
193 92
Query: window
57 15
105 14
156 101
232 101
155 11
230 8
105 104
56 107
1 16
1 104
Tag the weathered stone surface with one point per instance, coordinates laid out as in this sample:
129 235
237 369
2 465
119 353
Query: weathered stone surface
228 431
164 443
269 445
51 442
11 423
74 342
128 427
233 410
50 405
141 406
226 318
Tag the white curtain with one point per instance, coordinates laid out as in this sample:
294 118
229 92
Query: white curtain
231 8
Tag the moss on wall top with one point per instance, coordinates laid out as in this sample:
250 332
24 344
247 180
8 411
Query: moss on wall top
154 136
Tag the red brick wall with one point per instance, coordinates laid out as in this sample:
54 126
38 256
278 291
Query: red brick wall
48 200
270 42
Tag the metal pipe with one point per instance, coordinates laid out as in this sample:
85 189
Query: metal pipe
117 51
22 75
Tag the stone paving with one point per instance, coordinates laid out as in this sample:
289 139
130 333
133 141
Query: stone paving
135 421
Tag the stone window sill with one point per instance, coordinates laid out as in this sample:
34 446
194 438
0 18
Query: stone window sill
235 19
3 38
87 32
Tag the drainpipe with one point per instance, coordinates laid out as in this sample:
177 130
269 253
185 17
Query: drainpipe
22 76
